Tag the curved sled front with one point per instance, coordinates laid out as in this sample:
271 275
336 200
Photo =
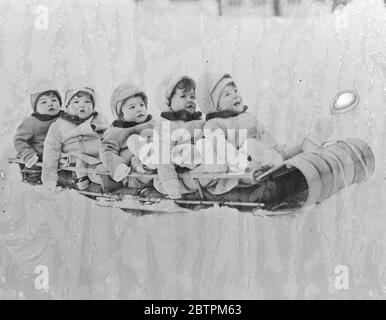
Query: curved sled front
325 171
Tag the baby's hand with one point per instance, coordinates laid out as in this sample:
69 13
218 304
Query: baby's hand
32 161
308 145
136 165
121 172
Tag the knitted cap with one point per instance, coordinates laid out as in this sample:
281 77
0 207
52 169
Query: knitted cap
209 88
121 92
72 92
165 90
39 88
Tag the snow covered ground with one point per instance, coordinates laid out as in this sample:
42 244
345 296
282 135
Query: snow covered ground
288 70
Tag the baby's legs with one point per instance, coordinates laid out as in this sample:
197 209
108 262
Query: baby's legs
186 155
82 181
205 162
108 184
31 175
260 156
143 150
84 176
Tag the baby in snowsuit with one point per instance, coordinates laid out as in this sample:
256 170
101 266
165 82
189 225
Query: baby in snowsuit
129 107
30 134
236 134
180 132
229 124
74 137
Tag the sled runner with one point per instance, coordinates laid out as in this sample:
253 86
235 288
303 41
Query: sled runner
150 205
158 205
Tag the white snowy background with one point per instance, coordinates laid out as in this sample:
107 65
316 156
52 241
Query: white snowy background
288 69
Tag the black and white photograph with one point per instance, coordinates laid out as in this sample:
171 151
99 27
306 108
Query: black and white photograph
192 150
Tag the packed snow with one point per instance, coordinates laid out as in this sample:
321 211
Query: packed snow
288 69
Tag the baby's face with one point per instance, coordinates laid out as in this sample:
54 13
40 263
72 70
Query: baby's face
134 110
230 99
81 105
48 104
183 100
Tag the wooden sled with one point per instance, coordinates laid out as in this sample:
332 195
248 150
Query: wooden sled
306 179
